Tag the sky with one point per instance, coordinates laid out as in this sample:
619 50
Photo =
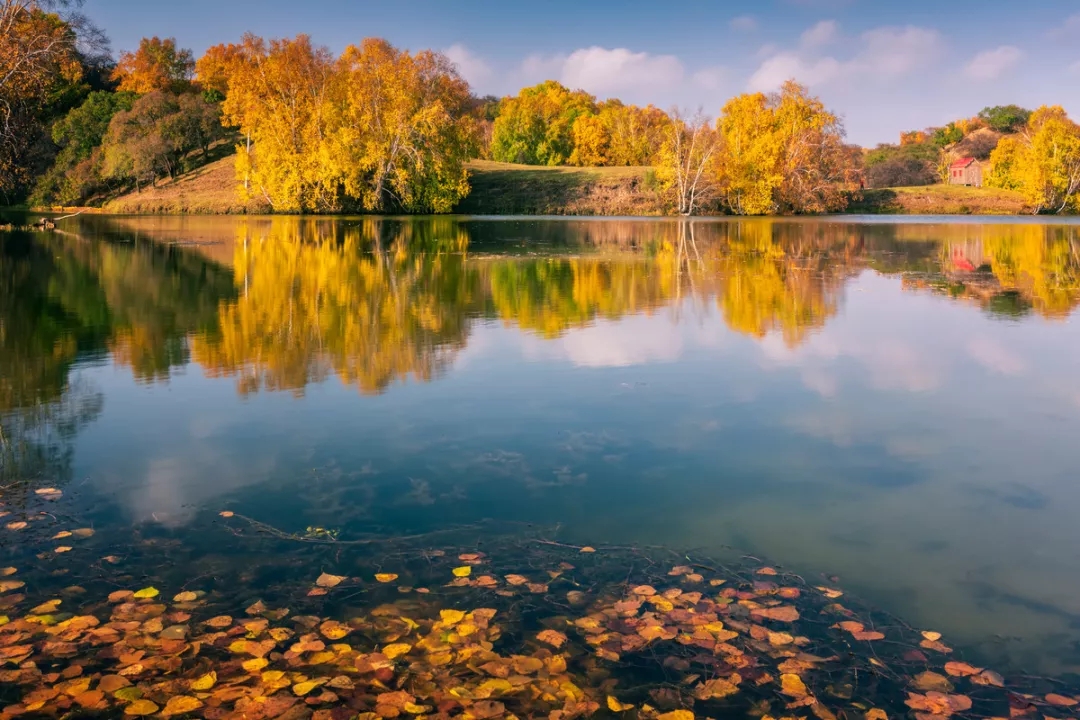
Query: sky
883 66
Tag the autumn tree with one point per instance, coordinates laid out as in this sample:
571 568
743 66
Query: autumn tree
217 66
686 160
618 135
278 97
38 48
76 171
536 126
1042 161
781 153
157 65
402 131
378 129
155 137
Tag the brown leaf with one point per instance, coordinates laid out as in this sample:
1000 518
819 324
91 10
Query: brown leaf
959 669
485 709
1060 700
715 689
868 635
517 579
989 677
552 637
784 613
327 580
932 681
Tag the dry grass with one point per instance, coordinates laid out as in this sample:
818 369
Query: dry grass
209 190
941 200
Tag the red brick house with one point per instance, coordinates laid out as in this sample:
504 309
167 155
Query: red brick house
966 171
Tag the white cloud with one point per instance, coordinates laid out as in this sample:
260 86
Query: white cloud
824 33
992 64
743 23
607 72
713 78
1066 30
785 66
886 52
472 67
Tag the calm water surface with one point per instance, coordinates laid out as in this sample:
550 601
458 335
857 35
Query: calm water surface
894 404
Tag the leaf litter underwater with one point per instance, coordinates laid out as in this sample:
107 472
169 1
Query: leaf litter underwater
468 623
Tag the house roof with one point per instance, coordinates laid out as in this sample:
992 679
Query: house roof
962 163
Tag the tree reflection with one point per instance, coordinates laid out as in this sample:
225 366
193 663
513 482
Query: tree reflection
65 299
372 301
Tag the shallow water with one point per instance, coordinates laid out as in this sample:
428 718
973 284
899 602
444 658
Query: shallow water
893 404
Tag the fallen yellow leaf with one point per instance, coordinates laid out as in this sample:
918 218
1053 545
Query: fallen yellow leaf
205 682
463 571
181 704
146 594
615 706
141 707
386 577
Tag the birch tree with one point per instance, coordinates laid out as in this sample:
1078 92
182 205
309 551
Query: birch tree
685 166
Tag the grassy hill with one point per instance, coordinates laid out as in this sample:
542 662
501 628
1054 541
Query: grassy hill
506 189
940 200
209 190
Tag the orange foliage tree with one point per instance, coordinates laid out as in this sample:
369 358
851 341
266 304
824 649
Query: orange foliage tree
157 65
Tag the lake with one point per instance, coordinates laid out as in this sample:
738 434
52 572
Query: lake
888 406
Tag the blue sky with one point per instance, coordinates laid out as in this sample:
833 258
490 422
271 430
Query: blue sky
883 66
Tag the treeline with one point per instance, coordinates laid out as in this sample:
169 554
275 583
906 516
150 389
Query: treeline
379 129
1034 152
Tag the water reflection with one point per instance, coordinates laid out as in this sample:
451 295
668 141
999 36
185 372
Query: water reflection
840 396
373 301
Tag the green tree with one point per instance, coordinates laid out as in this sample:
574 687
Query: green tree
75 174
536 126
1005 118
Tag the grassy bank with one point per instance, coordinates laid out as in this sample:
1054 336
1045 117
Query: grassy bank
940 200
506 189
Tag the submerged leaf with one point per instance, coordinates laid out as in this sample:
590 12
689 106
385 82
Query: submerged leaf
1060 700
552 637
960 669
463 571
327 580
141 707
147 593
205 682
615 706
386 577
792 685
180 704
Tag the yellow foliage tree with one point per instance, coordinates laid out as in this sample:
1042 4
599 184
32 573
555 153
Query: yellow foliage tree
1042 162
377 129
402 130
781 153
